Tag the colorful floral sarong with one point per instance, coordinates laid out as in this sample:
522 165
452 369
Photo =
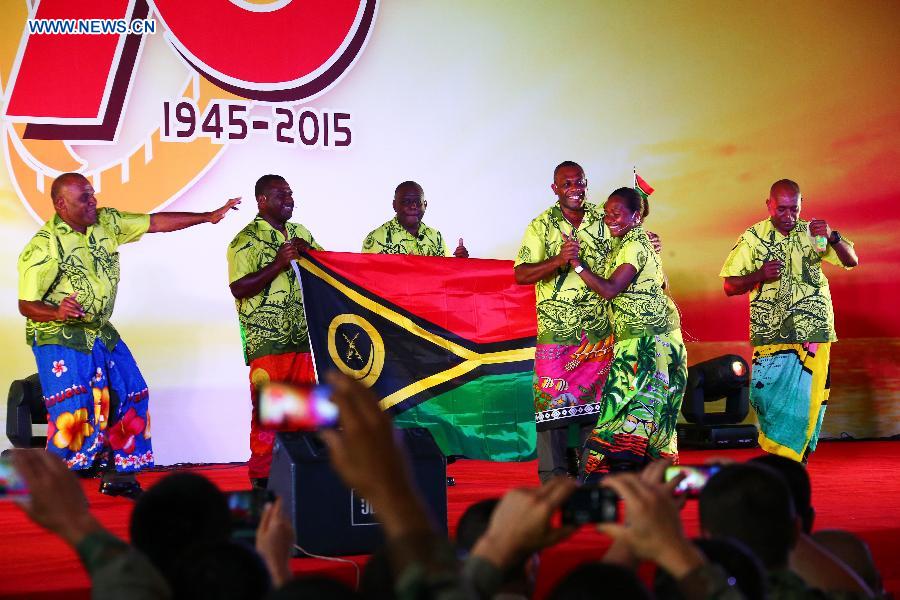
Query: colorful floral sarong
568 382
292 367
789 391
76 388
640 405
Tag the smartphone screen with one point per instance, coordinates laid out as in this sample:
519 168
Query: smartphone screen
286 407
12 485
695 478
246 510
590 504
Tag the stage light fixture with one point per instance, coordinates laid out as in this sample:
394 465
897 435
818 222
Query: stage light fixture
26 416
721 377
724 377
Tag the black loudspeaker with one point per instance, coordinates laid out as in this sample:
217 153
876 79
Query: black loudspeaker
24 407
709 437
331 519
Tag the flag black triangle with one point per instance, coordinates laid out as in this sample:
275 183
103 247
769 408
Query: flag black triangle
406 359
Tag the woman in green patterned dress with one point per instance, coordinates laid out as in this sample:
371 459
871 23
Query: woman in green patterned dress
642 396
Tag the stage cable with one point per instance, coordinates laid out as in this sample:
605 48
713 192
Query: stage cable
333 559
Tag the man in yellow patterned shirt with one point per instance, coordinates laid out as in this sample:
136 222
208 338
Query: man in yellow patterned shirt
269 304
574 343
406 233
68 277
779 262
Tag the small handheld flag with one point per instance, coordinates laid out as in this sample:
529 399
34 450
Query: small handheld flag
642 187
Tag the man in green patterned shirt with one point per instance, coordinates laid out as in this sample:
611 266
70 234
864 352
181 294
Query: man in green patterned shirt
574 343
269 304
406 233
779 262
68 278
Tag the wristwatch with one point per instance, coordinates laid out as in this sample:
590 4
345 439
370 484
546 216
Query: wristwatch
579 268
835 237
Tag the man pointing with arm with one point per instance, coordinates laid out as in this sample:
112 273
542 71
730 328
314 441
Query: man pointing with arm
68 278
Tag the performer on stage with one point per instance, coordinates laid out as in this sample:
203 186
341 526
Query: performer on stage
269 304
643 393
68 277
406 233
574 342
779 261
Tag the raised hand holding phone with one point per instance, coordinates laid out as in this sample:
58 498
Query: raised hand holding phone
12 484
296 407
695 477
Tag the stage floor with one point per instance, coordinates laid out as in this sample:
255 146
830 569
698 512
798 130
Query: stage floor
855 487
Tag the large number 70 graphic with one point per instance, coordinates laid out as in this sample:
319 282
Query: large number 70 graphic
72 89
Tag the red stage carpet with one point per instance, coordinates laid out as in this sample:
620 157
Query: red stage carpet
855 487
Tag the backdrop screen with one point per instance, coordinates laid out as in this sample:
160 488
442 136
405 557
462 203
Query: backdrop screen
477 101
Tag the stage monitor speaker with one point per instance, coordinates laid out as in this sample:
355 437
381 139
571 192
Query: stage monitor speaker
331 519
708 437
24 409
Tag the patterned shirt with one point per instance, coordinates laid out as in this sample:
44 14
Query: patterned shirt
392 238
643 308
272 321
566 307
797 307
59 261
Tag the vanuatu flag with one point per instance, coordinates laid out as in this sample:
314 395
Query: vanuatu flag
642 187
448 343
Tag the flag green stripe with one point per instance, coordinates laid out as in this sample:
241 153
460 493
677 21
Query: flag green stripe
491 418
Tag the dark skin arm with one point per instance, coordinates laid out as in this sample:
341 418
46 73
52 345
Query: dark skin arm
771 270
655 241
173 221
42 312
845 252
741 284
527 274
253 283
57 502
530 273
612 287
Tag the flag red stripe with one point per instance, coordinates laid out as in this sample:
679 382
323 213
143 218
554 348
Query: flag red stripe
476 299
645 187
